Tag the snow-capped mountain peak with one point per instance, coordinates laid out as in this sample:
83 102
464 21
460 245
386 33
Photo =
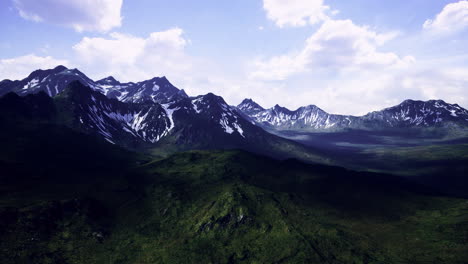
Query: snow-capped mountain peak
213 108
421 113
250 107
157 89
51 81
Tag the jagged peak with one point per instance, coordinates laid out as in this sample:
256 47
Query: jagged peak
211 98
249 102
163 78
277 107
74 71
308 107
160 81
108 79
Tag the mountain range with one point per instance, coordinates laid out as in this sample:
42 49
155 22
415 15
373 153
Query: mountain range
410 113
154 114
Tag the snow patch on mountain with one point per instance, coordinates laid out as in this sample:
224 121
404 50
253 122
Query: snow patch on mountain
225 125
195 104
31 84
170 113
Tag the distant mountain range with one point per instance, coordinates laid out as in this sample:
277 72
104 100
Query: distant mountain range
410 113
156 114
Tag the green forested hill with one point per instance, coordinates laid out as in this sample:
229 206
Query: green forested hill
70 198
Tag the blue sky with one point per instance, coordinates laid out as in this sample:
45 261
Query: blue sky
345 56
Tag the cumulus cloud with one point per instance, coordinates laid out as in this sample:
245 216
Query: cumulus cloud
453 18
81 15
278 68
20 67
296 13
448 83
134 58
372 91
358 93
345 68
337 45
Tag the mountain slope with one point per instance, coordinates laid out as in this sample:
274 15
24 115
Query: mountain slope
126 124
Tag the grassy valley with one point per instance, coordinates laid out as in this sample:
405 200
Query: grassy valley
437 158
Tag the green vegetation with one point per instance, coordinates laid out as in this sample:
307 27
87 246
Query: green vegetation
75 199
439 161
440 166
427 153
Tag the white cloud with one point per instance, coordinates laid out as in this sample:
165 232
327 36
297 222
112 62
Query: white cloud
132 58
345 68
360 92
454 17
81 15
296 13
338 45
20 67
375 90
448 83
278 68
